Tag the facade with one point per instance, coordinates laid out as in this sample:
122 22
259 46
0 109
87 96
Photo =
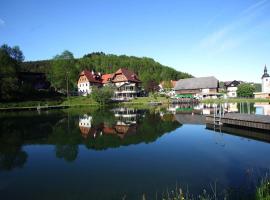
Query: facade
201 88
265 86
85 124
231 88
127 83
87 80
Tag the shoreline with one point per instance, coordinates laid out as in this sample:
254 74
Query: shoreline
83 102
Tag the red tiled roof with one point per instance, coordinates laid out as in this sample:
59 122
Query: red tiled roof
94 78
129 75
105 78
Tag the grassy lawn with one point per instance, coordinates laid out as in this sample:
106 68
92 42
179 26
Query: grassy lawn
146 100
235 100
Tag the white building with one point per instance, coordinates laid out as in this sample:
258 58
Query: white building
265 86
87 80
231 88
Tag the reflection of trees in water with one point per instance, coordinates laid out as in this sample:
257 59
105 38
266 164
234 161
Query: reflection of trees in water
67 152
17 129
11 153
148 129
66 138
61 129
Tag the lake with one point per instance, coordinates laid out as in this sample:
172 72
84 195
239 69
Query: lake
127 153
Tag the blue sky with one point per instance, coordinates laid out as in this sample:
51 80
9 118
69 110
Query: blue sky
228 39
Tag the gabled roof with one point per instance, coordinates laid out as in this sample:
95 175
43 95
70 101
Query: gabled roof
229 83
129 75
92 77
197 83
105 78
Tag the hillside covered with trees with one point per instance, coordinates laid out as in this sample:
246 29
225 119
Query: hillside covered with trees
147 69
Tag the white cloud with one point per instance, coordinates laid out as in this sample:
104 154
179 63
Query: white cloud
235 33
2 22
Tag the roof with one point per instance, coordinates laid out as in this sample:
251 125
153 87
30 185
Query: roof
105 78
129 75
196 83
92 77
235 82
265 74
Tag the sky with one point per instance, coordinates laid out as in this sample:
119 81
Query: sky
226 39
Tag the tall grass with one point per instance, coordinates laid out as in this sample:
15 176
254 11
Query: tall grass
263 190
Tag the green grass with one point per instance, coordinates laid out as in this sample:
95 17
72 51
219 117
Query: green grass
235 100
147 100
263 190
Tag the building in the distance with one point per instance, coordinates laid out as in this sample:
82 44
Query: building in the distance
231 88
127 83
265 86
201 88
87 80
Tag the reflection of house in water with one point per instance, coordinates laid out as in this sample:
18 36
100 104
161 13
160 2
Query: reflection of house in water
262 108
126 121
201 109
85 124
125 124
125 115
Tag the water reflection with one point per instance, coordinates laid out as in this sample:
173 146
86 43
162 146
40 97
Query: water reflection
262 108
66 130
135 144
207 109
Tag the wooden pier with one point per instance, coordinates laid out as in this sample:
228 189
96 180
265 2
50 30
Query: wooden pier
241 120
38 108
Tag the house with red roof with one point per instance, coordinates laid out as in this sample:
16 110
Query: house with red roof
87 80
126 82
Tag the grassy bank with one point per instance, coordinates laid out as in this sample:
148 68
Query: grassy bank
235 100
79 101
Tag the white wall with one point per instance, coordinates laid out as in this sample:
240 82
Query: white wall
266 84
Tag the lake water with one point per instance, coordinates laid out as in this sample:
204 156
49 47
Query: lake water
125 153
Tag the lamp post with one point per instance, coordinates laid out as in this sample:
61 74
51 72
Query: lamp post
67 85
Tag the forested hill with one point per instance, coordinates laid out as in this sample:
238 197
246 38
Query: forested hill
146 68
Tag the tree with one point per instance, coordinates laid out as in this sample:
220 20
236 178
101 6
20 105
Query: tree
8 75
151 86
14 52
245 90
167 84
64 72
102 95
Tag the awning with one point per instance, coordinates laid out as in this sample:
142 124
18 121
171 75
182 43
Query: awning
184 96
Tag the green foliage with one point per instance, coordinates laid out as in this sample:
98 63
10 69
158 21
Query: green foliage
64 72
8 76
102 95
263 190
167 84
14 52
147 69
245 90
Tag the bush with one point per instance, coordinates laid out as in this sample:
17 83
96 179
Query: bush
102 95
245 90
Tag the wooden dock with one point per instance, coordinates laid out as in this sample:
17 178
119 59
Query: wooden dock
242 120
34 108
257 134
